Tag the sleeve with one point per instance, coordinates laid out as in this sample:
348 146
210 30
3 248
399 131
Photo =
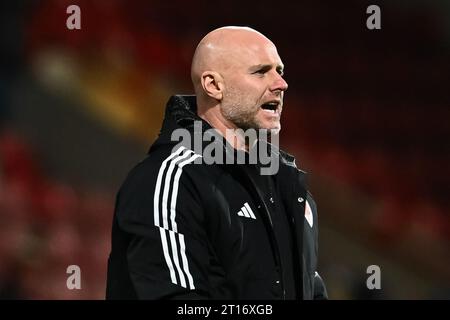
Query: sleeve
167 254
320 291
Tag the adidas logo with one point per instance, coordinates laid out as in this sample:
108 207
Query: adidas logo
247 212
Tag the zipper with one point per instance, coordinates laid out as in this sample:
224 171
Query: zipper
250 184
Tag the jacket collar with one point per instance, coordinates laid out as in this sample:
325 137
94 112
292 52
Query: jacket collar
181 112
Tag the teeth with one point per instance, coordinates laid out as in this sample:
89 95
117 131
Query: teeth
271 107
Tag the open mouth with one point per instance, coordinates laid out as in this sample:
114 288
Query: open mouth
271 106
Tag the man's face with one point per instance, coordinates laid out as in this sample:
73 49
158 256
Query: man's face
254 88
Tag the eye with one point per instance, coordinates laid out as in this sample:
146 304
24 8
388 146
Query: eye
261 71
280 72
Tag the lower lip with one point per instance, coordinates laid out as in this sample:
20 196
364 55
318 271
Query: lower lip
271 113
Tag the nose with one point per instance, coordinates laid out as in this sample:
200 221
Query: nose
279 84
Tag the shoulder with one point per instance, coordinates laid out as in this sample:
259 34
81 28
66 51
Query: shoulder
167 162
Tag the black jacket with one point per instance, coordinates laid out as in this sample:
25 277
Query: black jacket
184 230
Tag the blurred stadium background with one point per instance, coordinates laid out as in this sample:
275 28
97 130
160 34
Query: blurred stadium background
367 115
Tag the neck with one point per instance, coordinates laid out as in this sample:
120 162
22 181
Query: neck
227 129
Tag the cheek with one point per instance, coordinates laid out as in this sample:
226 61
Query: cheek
245 92
250 85
253 94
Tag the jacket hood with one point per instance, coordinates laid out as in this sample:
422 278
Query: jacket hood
181 112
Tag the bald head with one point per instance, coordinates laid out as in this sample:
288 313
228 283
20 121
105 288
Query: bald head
223 48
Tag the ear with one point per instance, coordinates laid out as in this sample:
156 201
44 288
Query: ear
212 83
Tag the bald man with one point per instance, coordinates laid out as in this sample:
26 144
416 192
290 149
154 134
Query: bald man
186 227
235 72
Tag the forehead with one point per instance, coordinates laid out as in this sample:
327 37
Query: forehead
254 53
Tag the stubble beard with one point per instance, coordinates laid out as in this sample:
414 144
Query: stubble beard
245 118
238 110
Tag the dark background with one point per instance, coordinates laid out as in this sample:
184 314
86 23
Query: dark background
366 114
